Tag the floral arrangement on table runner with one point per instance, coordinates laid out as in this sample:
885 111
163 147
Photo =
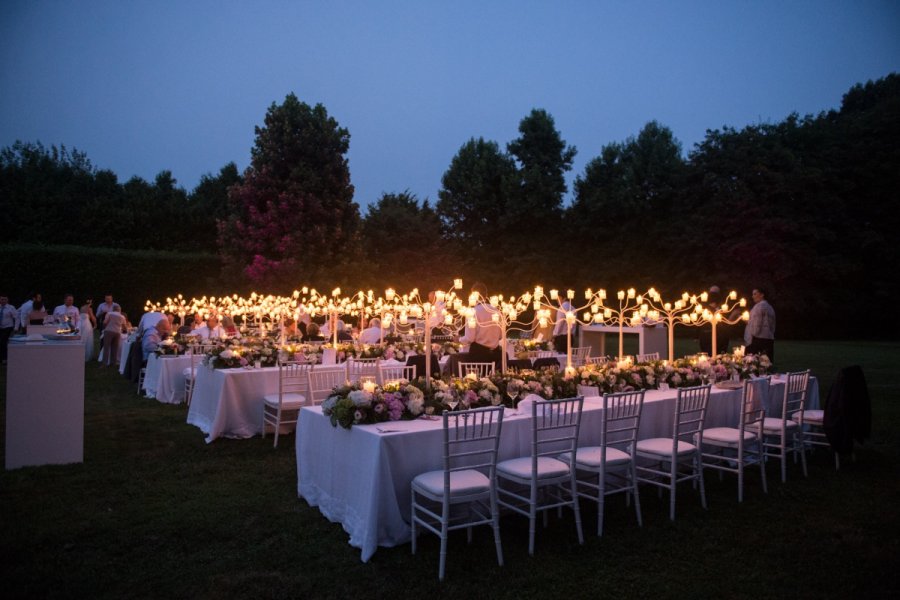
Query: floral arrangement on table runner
172 346
236 353
523 347
367 403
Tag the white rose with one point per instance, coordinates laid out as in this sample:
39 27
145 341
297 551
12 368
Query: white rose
226 354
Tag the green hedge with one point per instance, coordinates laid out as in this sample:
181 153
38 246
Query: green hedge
131 276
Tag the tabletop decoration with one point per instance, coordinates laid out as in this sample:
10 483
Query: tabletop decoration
170 347
367 403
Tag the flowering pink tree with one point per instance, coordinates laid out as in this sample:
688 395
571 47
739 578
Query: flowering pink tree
293 218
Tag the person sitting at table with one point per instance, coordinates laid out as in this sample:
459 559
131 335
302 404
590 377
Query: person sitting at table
483 335
230 328
343 334
113 324
38 314
67 312
211 330
312 334
372 333
153 336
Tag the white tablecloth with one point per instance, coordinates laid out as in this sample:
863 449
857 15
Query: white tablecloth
164 379
124 349
361 477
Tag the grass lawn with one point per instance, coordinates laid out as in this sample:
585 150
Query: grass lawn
154 512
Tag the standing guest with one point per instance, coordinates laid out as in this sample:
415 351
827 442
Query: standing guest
211 330
9 321
561 328
759 334
87 325
483 336
153 336
26 309
371 334
113 324
107 306
67 312
230 328
38 314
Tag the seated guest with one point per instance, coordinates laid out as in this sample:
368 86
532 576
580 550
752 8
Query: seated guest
291 330
149 319
371 334
230 328
38 314
67 312
312 334
187 325
343 334
211 330
113 324
153 336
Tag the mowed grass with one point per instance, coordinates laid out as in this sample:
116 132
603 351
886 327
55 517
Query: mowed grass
155 512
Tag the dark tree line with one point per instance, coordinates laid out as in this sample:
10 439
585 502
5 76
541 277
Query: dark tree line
805 207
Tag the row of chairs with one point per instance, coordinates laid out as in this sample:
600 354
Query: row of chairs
558 472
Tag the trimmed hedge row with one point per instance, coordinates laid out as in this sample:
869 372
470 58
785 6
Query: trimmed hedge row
131 276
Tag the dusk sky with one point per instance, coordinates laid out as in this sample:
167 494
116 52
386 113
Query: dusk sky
147 86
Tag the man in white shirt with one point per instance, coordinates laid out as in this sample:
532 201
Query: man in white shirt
371 334
107 306
560 335
150 319
26 309
484 337
212 329
67 311
9 320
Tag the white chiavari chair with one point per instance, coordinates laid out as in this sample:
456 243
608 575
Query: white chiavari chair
283 408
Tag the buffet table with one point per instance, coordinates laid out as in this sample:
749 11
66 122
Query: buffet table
361 477
44 403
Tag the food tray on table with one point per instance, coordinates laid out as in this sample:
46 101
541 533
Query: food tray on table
729 385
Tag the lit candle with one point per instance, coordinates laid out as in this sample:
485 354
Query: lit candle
369 386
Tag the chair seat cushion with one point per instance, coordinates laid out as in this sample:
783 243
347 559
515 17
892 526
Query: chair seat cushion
663 447
726 435
592 457
521 467
814 417
291 400
773 424
462 483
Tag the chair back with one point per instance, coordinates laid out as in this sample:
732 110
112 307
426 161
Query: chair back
554 427
361 367
323 381
533 354
482 369
545 363
471 440
753 405
389 373
293 378
690 413
621 419
795 391
580 355
649 357
596 360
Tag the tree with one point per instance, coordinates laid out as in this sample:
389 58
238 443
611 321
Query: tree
293 220
475 194
403 245
208 203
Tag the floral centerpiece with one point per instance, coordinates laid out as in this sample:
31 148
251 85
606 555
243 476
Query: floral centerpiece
474 391
226 355
368 403
169 347
524 346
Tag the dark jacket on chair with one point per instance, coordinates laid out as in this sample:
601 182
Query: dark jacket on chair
848 410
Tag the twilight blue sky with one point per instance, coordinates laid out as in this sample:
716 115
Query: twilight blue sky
144 86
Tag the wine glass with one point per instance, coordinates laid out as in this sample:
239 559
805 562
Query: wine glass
512 390
453 401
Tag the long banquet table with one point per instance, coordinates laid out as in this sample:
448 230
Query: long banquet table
164 379
361 477
229 402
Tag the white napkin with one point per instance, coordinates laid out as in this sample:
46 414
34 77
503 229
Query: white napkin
524 406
